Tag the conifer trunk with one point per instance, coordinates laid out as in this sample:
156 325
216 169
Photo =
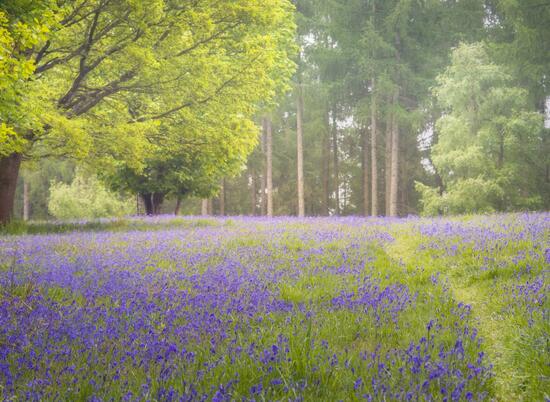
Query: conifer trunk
263 176
365 160
325 169
222 198
394 176
387 161
269 166
253 196
335 163
26 206
299 150
373 157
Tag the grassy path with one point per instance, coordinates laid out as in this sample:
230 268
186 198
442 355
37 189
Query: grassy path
511 349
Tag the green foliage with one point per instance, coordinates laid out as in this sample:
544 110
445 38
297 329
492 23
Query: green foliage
489 141
86 197
129 85
23 25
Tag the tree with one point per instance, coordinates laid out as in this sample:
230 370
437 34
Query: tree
96 91
23 25
489 144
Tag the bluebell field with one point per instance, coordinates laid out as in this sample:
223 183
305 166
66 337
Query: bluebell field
251 309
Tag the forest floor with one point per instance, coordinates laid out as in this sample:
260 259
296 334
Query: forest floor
277 309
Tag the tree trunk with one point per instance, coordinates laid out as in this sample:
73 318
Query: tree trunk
26 206
299 150
394 186
374 133
325 168
335 163
209 207
387 161
148 203
253 196
263 175
394 177
365 164
373 156
9 171
178 206
269 166
204 207
222 198
158 199
403 204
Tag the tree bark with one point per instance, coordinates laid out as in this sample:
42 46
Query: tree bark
253 195
269 166
325 168
222 198
373 156
209 207
178 206
365 164
387 161
373 128
148 203
158 199
204 207
26 206
394 177
9 171
335 163
299 150
263 175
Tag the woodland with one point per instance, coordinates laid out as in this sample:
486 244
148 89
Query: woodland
274 200
273 107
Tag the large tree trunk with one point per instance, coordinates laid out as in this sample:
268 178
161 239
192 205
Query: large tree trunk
335 163
222 198
158 199
394 177
365 165
269 166
204 207
387 161
373 156
9 171
178 206
26 206
299 149
148 203
325 168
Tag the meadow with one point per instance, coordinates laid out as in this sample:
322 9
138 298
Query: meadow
314 309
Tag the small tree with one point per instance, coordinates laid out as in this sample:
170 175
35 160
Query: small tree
489 141
86 197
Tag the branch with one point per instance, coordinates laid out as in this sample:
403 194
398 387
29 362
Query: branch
208 39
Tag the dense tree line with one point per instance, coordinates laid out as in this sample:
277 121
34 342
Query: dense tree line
395 107
411 107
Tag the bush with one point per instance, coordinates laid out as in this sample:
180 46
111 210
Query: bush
86 197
